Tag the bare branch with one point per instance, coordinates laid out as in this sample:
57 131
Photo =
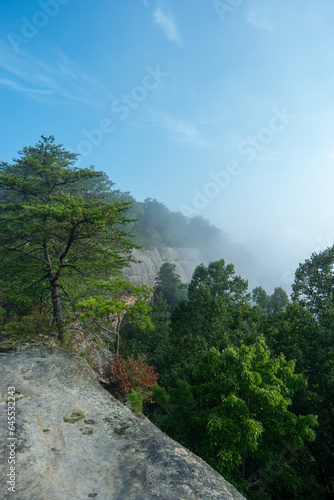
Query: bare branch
104 328
69 243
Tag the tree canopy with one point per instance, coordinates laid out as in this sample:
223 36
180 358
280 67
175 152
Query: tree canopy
313 286
249 388
270 304
54 232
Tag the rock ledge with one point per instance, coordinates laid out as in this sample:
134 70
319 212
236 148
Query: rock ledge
75 441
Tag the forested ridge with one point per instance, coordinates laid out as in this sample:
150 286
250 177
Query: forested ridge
243 379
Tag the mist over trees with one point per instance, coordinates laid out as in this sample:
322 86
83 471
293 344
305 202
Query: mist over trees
245 379
247 387
273 303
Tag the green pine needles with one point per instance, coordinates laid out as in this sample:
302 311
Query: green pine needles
57 228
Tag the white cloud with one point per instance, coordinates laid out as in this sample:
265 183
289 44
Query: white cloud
167 25
15 86
260 14
216 119
180 131
57 80
260 22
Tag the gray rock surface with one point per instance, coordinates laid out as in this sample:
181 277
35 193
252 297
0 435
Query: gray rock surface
145 272
75 441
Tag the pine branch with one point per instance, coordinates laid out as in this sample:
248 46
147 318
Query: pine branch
26 253
104 328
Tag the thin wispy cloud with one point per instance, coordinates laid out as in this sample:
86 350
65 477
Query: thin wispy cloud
259 21
15 86
167 25
180 131
216 119
60 81
260 14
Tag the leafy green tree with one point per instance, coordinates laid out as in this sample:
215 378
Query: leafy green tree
218 280
169 287
278 300
313 286
51 234
297 333
217 305
153 225
270 304
154 343
233 408
261 298
108 304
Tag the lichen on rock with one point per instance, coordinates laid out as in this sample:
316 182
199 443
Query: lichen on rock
75 416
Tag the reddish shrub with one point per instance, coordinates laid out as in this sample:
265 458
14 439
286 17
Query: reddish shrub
130 374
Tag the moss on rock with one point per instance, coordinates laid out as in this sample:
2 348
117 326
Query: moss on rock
74 417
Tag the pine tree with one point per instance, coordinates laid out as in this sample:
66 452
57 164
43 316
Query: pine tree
53 232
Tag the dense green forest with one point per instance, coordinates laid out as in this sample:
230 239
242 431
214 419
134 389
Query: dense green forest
249 388
245 379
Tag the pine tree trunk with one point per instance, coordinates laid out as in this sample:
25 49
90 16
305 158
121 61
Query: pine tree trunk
118 326
117 343
56 304
57 312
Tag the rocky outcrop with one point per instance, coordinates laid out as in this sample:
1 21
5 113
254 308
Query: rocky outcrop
145 272
75 441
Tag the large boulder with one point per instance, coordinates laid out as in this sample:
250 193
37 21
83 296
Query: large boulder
75 441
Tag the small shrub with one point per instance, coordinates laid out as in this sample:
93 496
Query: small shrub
129 373
135 400
132 379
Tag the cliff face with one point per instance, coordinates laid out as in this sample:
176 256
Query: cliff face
75 441
145 272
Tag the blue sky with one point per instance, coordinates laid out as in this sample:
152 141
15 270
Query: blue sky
216 108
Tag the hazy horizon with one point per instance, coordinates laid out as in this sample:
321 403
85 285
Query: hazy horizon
216 108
